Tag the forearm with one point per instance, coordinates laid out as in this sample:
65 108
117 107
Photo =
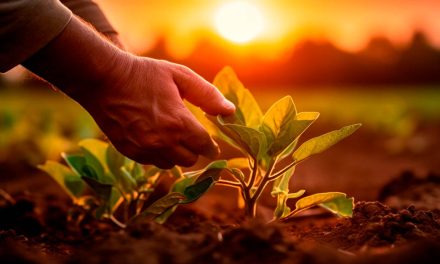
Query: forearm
76 58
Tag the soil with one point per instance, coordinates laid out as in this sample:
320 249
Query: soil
397 220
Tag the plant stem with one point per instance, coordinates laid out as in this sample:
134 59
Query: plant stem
251 207
6 196
116 222
280 172
229 183
251 203
254 174
126 210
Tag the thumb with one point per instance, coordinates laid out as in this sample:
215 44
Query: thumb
201 93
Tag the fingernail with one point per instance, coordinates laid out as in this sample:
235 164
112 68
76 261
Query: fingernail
228 104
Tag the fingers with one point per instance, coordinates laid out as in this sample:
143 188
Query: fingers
197 140
201 93
181 156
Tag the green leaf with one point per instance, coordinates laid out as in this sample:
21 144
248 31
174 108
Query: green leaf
126 181
96 147
108 207
281 191
211 128
95 154
176 172
321 143
201 185
277 122
239 163
282 125
160 206
218 164
66 178
296 194
248 112
314 200
250 140
75 161
341 206
282 183
102 190
114 160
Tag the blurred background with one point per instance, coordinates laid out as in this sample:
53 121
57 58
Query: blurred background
369 61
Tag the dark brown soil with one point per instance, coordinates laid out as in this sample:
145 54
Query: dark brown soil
52 235
408 189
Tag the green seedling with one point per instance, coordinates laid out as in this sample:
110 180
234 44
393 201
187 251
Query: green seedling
114 179
118 182
266 141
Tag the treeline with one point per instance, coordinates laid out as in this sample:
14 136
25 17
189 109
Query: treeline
322 63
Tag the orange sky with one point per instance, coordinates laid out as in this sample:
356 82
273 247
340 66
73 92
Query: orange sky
347 23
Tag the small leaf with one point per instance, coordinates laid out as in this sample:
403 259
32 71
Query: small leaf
237 173
203 183
282 125
66 178
194 191
247 113
211 128
75 161
181 184
276 123
280 190
126 181
296 194
95 155
239 163
176 172
302 122
341 206
95 147
321 143
102 190
114 160
163 204
250 140
314 200
218 164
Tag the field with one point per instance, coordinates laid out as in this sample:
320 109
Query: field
399 133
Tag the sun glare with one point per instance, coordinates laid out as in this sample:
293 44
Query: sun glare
239 21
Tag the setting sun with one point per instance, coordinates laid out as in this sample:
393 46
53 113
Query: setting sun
239 21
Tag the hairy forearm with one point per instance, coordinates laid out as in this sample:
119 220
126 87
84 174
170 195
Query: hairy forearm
78 57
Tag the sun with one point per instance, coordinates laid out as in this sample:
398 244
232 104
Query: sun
239 21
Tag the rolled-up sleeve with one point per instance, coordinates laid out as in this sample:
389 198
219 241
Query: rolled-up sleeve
90 12
26 26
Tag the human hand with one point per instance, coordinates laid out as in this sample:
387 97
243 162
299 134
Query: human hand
137 102
139 107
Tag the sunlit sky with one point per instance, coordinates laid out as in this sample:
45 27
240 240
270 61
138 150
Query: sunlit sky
347 23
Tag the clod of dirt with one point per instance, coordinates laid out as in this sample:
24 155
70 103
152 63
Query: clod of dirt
408 189
377 225
21 216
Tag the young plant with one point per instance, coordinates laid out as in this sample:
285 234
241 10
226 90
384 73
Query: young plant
265 141
115 180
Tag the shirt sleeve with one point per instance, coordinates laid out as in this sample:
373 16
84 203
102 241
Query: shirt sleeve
27 26
91 13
